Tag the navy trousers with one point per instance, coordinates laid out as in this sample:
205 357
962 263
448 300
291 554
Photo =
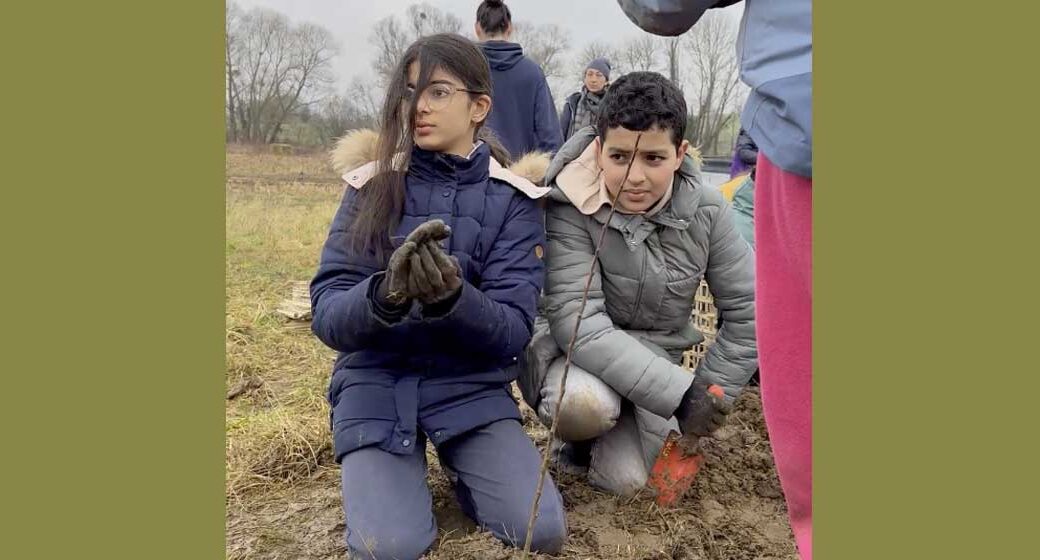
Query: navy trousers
389 509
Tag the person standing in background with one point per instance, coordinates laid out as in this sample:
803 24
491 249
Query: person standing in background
524 115
745 155
582 107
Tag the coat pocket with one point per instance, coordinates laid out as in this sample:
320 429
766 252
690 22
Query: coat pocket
677 303
683 287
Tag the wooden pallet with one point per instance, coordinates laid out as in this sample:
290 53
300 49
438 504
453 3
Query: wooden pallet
705 319
298 306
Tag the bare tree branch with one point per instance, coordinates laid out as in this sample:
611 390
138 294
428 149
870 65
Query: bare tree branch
545 44
639 53
391 38
715 77
673 50
274 69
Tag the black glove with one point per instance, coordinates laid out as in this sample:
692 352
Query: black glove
702 410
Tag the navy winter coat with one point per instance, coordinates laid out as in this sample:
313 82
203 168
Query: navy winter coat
523 115
443 374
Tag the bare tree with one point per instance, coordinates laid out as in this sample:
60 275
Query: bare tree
715 77
391 37
258 58
366 97
310 74
639 53
425 19
672 47
274 69
339 114
390 40
546 44
232 15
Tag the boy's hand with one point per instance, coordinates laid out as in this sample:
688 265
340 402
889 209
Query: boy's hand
702 410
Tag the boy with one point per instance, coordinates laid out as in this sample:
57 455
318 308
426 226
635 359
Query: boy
625 389
775 52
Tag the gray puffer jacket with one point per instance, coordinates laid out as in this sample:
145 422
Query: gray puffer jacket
637 322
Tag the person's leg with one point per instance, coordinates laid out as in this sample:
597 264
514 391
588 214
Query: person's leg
617 464
590 407
623 457
783 299
497 467
388 507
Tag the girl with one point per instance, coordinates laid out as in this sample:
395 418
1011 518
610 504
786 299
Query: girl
427 287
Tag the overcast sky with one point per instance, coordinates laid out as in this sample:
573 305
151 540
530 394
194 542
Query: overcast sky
351 21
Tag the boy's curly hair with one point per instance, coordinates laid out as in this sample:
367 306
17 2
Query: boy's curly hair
641 100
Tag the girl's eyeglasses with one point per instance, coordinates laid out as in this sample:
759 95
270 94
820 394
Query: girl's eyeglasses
436 96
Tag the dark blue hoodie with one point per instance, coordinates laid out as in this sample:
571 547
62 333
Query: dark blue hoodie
523 115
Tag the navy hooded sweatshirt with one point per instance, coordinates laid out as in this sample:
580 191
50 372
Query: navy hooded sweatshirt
523 115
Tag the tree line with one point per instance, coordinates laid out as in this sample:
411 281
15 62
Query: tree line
280 85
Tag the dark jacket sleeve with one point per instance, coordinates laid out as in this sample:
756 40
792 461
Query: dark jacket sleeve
547 129
497 317
565 116
345 315
747 151
730 274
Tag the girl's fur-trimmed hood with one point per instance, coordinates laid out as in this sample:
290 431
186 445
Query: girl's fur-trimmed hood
354 157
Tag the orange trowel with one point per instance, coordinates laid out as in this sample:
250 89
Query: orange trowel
677 464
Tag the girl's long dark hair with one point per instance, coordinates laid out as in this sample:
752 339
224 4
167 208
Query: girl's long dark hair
494 17
380 203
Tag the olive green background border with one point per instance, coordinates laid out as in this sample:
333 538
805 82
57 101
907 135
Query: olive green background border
925 286
113 227
924 312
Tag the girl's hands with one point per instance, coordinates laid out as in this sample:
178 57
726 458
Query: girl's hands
420 268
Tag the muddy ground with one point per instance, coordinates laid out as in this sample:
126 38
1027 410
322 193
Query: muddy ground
735 511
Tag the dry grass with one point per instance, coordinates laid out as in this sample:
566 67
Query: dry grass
277 424
249 161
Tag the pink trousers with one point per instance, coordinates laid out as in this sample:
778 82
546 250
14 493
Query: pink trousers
783 262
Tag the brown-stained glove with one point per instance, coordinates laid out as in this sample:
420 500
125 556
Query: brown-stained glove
433 275
419 268
702 410
394 287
